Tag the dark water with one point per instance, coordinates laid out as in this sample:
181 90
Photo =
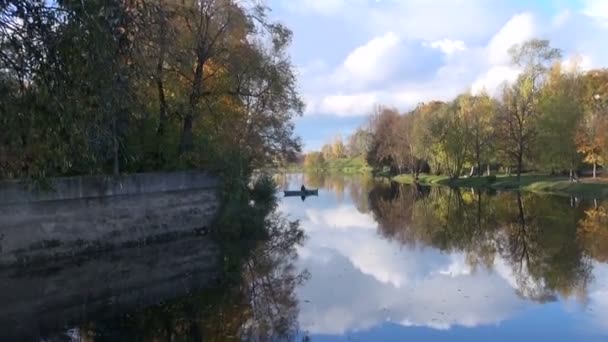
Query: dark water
363 261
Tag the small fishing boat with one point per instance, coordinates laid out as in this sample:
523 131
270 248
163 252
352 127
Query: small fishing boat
311 192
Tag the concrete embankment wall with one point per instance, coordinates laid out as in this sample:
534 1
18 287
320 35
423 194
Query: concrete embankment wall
95 213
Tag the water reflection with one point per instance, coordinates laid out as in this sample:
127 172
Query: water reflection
257 303
378 261
404 258
535 236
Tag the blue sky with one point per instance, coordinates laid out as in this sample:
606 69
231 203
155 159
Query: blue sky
354 54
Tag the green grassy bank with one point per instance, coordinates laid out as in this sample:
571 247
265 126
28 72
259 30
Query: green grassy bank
586 188
342 165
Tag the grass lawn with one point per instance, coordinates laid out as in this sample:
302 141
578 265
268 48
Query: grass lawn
342 165
348 165
586 188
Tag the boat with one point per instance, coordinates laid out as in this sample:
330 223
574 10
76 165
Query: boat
311 192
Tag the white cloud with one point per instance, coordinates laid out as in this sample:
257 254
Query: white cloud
371 62
517 30
381 71
323 7
491 80
432 20
597 9
400 53
447 46
346 105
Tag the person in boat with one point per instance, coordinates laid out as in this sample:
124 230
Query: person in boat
303 188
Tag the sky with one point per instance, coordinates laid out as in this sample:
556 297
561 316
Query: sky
351 55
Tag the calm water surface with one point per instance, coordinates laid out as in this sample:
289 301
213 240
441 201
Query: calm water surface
363 261
397 263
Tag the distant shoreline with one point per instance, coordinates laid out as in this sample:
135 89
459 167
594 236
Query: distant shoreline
587 188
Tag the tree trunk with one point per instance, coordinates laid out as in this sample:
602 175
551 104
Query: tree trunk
488 169
162 114
479 172
520 164
116 168
186 144
594 169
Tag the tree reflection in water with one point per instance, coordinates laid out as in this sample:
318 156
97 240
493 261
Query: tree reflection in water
258 305
547 244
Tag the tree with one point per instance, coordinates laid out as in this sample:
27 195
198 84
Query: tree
337 147
520 102
591 138
426 128
559 119
128 86
359 143
390 143
441 135
314 160
478 113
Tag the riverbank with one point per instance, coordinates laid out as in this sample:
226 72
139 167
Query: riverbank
342 165
587 188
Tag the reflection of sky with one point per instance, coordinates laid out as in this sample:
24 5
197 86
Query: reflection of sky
365 287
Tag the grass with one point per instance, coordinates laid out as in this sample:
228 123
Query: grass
587 188
343 165
348 165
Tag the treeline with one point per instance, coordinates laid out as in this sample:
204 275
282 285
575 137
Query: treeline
355 148
553 118
137 85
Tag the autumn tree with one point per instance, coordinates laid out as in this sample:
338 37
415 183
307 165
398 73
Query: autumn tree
314 161
359 143
390 140
520 108
478 115
338 150
591 138
425 130
130 86
560 115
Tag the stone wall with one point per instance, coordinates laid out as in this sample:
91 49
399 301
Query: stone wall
91 214
65 188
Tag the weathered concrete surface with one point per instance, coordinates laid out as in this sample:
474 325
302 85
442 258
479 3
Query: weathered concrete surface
38 231
42 229
43 301
99 246
65 188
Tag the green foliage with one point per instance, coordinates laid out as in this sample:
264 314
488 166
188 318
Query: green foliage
560 116
314 161
108 87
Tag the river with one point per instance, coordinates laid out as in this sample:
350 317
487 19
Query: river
367 261
396 263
